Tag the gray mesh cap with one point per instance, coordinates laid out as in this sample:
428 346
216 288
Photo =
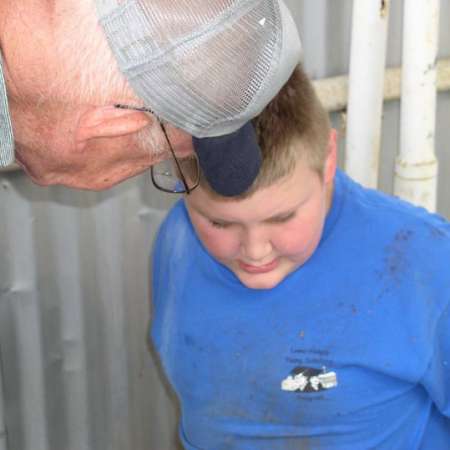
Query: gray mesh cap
6 133
205 66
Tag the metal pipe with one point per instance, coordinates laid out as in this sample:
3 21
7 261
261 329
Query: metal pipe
333 91
416 166
366 80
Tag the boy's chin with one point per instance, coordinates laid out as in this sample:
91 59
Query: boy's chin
267 280
260 281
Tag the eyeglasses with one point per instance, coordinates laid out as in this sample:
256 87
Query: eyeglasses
176 176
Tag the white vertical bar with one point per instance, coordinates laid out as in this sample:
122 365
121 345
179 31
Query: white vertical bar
366 79
416 165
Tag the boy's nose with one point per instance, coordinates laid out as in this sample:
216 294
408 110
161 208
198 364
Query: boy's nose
256 248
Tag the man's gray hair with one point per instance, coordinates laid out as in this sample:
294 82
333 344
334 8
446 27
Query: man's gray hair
91 72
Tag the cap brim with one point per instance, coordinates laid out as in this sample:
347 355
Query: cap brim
230 163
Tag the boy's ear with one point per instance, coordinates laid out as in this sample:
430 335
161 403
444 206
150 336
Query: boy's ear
331 160
109 122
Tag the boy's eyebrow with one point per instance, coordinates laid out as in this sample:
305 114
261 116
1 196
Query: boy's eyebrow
208 216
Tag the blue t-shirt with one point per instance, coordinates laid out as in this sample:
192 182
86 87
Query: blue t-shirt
350 352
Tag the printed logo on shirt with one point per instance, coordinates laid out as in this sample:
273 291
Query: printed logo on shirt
307 379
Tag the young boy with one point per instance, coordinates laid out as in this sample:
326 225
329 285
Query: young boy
308 313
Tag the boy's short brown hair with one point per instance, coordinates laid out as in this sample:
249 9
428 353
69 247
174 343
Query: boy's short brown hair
293 125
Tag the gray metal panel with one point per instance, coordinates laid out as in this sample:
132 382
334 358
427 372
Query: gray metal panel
74 285
74 312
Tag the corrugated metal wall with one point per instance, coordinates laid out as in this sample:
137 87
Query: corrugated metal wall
74 292
74 311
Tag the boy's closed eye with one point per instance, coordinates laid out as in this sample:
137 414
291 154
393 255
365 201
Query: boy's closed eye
219 223
283 218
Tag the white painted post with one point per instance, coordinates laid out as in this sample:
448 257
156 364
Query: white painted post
416 165
365 103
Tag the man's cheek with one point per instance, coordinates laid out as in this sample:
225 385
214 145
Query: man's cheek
181 142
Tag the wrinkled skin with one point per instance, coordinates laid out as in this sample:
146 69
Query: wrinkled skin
68 140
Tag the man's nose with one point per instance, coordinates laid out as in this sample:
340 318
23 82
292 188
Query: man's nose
256 246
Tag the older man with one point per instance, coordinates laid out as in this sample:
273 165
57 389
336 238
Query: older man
204 67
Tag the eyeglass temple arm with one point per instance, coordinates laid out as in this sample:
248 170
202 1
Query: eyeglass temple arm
143 109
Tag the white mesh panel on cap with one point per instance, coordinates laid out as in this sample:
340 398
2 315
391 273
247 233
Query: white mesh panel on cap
204 66
6 133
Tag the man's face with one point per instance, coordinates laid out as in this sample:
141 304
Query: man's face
268 235
49 153
49 116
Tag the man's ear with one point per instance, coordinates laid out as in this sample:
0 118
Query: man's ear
109 122
331 160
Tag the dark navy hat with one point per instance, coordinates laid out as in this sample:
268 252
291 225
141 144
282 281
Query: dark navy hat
230 163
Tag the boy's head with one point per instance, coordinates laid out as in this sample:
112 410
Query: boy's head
275 226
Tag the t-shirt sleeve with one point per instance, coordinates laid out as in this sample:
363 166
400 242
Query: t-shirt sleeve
436 379
162 248
156 263
171 256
